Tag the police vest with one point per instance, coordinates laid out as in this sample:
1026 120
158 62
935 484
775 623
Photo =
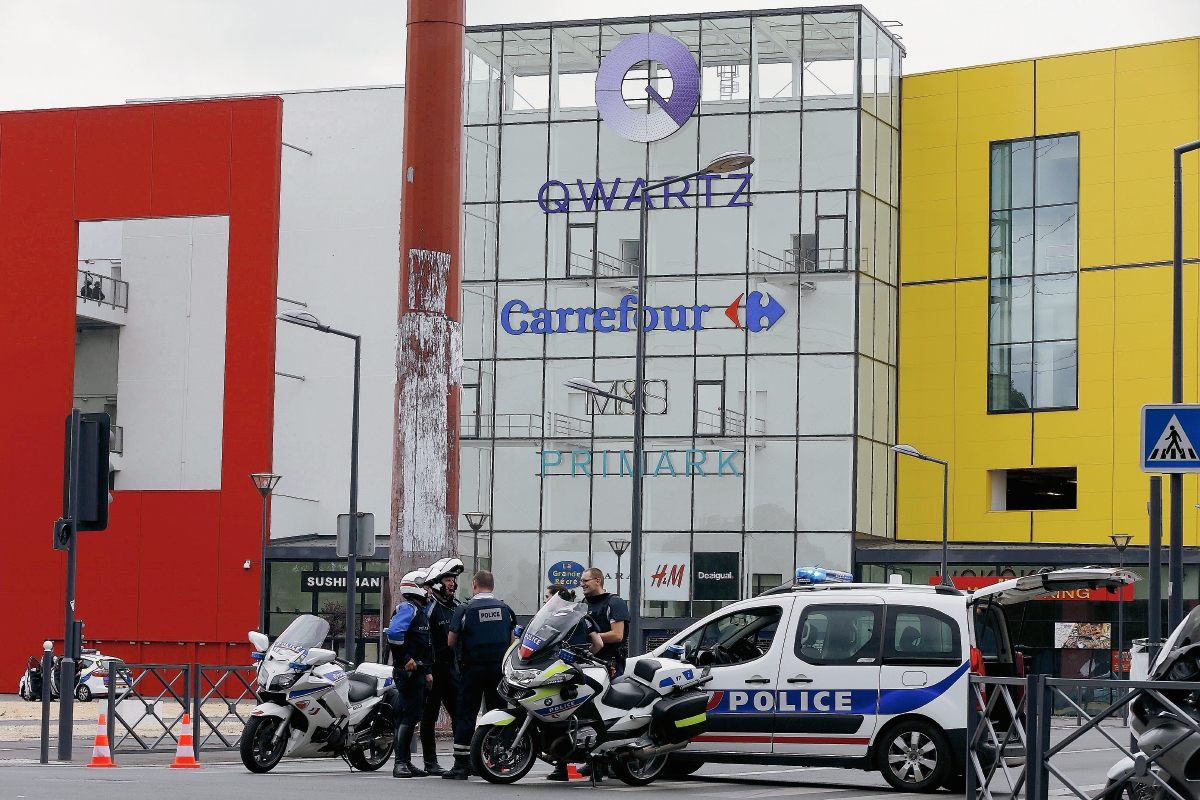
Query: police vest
486 631
439 626
416 640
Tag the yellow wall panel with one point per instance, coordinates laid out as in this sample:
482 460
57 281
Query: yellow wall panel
1130 106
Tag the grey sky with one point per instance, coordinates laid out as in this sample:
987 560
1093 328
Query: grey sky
56 53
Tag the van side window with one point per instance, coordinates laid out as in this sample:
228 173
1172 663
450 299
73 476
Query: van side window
841 634
921 636
735 638
990 635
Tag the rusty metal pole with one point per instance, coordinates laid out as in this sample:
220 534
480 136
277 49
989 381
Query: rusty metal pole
424 525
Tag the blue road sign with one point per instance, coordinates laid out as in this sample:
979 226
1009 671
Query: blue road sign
1170 438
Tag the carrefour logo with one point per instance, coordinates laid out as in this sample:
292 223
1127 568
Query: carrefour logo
665 115
758 313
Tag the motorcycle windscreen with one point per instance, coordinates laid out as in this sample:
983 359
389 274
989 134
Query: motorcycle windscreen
550 628
305 633
1186 633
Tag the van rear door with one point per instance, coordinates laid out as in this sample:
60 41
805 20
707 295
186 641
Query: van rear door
1044 584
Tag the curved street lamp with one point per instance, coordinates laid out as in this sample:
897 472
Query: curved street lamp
945 585
731 161
307 320
264 482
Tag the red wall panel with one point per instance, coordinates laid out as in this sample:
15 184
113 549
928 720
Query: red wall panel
169 569
114 157
192 146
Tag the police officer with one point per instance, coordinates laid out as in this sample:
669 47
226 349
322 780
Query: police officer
412 659
480 632
440 580
611 615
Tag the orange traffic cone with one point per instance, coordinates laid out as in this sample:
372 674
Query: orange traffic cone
185 756
101 755
573 773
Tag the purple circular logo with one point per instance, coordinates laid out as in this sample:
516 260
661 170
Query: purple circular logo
665 116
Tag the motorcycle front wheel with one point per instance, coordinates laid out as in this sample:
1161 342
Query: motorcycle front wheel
498 756
374 745
260 753
640 772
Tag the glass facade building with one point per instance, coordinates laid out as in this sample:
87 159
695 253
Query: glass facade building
770 308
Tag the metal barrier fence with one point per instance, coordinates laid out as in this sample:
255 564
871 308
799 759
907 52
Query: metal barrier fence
1009 748
156 696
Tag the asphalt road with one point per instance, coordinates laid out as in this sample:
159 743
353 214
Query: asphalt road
223 776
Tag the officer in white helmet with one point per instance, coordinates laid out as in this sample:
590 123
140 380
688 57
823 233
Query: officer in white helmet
441 581
412 661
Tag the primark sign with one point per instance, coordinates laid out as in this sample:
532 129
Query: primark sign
655 464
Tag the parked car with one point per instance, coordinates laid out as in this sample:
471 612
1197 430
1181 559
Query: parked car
94 674
868 676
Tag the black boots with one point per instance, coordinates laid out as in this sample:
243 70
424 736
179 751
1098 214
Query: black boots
403 766
460 770
559 773
432 767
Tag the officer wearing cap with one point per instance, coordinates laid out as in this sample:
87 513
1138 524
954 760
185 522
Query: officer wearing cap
480 632
440 580
412 659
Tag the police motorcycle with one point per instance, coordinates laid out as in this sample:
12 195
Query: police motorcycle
563 708
312 707
1160 728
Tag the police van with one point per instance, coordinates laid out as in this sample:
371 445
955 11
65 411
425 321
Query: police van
867 676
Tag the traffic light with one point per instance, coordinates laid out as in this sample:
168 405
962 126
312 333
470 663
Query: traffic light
94 475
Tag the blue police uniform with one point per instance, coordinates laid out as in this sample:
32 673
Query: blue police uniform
445 678
408 639
605 609
483 629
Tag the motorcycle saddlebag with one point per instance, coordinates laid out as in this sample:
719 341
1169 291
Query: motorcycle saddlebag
679 717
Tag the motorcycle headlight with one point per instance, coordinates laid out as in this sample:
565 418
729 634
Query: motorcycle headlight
283 681
522 676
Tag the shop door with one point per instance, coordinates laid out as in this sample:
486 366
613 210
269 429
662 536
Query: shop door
829 678
746 652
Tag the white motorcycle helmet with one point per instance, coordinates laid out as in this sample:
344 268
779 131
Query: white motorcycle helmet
443 568
413 585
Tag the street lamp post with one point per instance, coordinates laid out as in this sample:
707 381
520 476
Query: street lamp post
264 482
945 585
1120 541
724 163
1175 575
307 320
476 519
619 546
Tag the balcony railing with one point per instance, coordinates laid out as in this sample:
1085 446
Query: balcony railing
522 426
604 266
102 290
824 259
727 423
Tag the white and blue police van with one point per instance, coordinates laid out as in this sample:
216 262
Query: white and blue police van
869 676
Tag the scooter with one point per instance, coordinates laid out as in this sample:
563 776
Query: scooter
1160 729
562 707
312 707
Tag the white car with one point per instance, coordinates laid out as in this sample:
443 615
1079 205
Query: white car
867 676
94 674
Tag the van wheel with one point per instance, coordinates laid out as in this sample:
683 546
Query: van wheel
914 756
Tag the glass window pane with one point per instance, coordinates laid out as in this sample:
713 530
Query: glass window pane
1010 377
1011 244
828 153
1058 170
839 635
1012 175
1054 307
1055 374
1010 312
1054 249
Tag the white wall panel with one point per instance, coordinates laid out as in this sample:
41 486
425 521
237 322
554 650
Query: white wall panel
171 372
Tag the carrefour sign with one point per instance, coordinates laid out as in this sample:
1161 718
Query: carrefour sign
758 313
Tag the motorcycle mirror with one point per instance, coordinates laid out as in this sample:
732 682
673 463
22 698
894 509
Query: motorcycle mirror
259 640
318 656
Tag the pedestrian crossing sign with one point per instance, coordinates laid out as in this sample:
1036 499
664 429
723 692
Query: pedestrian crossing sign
1171 438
